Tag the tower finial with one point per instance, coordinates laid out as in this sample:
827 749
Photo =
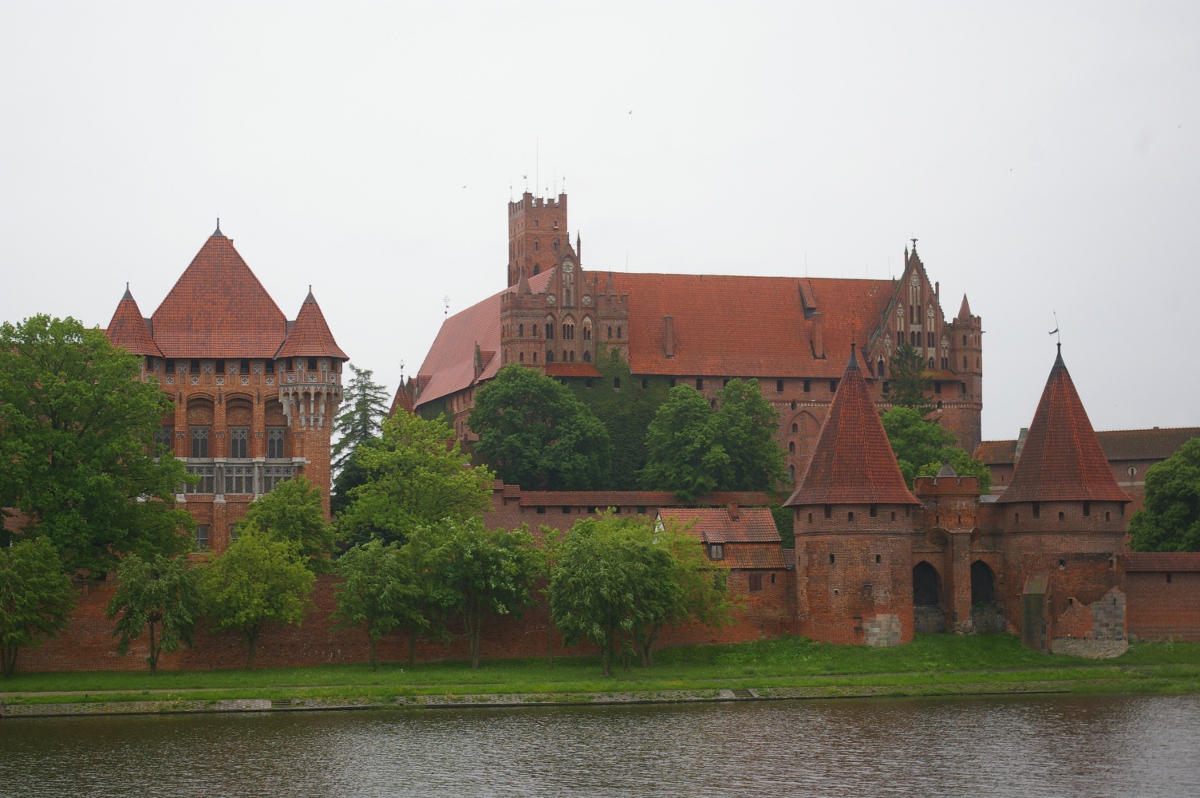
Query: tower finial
217 232
914 246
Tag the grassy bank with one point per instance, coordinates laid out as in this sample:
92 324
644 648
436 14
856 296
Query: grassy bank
931 660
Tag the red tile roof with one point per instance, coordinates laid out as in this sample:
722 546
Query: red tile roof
717 525
128 329
627 498
964 312
449 366
1062 459
1161 561
218 308
852 462
1118 444
310 335
755 555
747 326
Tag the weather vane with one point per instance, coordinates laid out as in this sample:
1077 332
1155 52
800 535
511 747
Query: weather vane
1055 330
446 302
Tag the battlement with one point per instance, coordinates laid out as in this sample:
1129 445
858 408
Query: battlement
528 202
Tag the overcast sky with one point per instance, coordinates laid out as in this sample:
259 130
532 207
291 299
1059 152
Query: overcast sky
1046 156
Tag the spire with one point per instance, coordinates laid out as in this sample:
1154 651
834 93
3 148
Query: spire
946 470
1062 459
852 462
128 329
964 312
609 288
523 284
578 246
310 335
218 232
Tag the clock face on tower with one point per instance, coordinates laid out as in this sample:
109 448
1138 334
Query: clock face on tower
568 267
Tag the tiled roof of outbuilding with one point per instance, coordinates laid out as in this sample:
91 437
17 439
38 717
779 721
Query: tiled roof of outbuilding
1168 561
128 328
1118 444
996 452
1062 459
717 525
310 335
218 308
852 462
754 555
627 498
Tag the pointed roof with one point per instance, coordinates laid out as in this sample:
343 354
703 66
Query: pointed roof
218 308
852 462
964 312
310 335
1062 459
128 328
523 284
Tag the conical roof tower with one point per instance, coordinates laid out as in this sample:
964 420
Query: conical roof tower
310 335
1062 460
853 461
128 328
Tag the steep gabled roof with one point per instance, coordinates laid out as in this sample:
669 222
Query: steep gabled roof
747 326
218 308
1062 459
128 328
450 363
717 524
852 462
310 335
964 312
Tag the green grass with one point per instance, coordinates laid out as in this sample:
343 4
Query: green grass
929 660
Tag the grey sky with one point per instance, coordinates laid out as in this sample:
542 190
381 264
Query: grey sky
1046 155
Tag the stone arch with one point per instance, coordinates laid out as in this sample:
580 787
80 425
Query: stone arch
927 585
983 584
239 411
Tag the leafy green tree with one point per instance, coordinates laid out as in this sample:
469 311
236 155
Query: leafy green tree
625 405
429 597
293 513
1170 520
746 427
77 451
910 380
692 449
377 594
536 434
549 553
416 476
683 449
360 422
921 447
36 598
620 582
349 476
258 580
487 572
157 596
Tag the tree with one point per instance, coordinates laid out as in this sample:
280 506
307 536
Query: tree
256 581
921 447
349 476
1170 520
416 476
364 406
549 554
910 383
377 594
292 512
683 453
620 582
536 434
692 449
157 596
77 450
486 572
429 597
36 598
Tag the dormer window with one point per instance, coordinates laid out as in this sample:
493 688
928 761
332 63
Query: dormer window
716 551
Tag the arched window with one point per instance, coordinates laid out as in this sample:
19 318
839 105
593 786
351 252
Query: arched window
568 330
535 245
929 339
795 428
572 354
931 366
535 357
792 477
550 356
965 362
549 329
537 269
791 447
556 245
964 340
522 357
587 331
912 338
616 383
520 330
880 372
926 585
618 333
587 356
983 584
610 332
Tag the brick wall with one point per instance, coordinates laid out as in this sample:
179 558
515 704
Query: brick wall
1158 609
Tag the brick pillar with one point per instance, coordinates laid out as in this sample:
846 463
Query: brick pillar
959 589
181 442
219 442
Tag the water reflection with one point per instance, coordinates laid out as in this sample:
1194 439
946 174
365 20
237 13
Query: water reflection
1028 746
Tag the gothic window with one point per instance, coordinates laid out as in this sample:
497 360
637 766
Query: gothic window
965 361
556 245
618 333
791 447
274 474
521 357
587 330
520 330
572 355
537 269
945 363
587 356
275 441
199 442
205 483
535 246
795 428
239 479
792 478
879 371
964 340
550 356
929 339
568 331
616 357
239 437
165 436
610 332
535 357
931 363
549 331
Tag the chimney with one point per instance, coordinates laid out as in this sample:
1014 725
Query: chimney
733 510
1020 444
669 336
818 320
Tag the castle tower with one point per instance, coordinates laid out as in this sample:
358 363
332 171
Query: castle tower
1063 521
854 528
537 231
965 338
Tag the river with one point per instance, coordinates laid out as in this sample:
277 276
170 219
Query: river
1018 746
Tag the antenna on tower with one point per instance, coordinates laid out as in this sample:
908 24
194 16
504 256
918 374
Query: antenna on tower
1055 331
401 373
446 302
537 152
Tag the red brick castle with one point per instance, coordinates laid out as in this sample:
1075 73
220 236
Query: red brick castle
790 333
255 394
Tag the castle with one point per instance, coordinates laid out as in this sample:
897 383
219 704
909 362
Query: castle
791 334
255 394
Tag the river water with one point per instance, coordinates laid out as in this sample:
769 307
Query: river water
1014 746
